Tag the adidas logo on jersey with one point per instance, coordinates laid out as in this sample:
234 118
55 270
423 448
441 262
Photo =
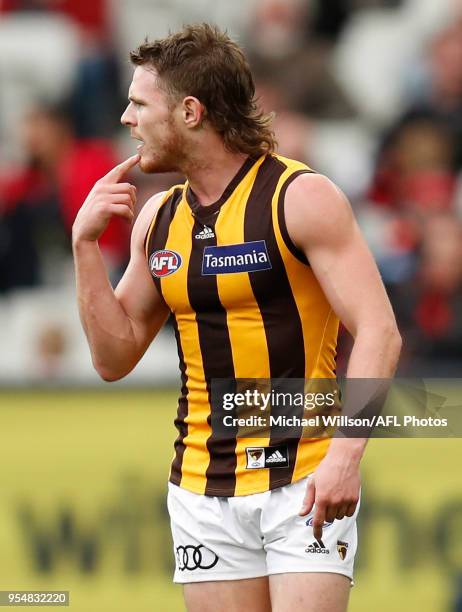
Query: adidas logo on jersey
317 547
206 233
276 457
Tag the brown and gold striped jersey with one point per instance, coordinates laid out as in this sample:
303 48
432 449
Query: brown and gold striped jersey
245 304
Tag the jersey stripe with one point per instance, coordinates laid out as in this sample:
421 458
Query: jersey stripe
319 323
181 419
245 327
217 359
300 255
284 335
160 226
195 431
159 232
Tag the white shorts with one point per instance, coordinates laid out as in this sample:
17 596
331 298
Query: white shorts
231 538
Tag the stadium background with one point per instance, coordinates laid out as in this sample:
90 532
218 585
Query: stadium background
368 92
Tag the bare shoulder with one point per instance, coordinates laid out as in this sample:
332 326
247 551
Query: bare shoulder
145 217
316 211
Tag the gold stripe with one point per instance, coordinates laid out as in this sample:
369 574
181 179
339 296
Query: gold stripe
245 325
319 325
175 291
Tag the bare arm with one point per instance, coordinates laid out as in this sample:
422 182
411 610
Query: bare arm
321 223
119 324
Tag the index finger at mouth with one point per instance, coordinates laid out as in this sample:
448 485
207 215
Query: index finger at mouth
117 173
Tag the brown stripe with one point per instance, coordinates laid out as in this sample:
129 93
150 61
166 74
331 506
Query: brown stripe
273 293
159 234
180 422
296 252
157 241
217 360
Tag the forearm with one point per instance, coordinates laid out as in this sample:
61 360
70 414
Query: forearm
374 356
108 328
375 353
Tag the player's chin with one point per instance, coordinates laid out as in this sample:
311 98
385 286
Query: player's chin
150 165
147 164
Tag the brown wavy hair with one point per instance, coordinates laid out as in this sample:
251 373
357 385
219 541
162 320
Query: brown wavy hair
202 61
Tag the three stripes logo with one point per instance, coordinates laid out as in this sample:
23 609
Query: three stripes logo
317 547
276 457
204 234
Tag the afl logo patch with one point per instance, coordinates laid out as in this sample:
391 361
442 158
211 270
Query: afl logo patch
165 262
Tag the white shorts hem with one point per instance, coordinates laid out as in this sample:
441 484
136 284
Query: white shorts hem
218 577
309 570
264 573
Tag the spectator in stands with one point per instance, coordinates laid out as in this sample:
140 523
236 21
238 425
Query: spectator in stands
285 53
90 16
41 200
440 90
292 129
418 150
415 178
429 305
96 100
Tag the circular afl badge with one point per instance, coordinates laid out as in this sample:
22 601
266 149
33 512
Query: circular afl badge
165 262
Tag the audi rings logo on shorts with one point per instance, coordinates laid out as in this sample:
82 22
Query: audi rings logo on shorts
195 557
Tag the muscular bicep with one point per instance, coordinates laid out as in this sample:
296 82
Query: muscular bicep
136 291
321 223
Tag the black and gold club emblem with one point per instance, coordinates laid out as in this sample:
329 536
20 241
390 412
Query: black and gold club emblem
342 548
256 453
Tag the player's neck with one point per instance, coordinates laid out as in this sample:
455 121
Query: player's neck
209 176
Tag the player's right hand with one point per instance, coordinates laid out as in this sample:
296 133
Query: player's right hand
108 197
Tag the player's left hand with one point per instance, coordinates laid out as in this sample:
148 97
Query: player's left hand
333 490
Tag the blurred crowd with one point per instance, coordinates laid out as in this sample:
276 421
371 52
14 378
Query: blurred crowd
368 92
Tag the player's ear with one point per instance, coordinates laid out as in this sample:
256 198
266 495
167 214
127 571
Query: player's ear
193 112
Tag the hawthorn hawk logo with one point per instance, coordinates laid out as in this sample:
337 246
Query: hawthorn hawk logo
342 548
163 263
256 453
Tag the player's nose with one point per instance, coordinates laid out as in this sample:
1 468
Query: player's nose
128 118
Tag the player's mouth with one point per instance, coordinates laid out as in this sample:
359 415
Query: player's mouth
140 146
